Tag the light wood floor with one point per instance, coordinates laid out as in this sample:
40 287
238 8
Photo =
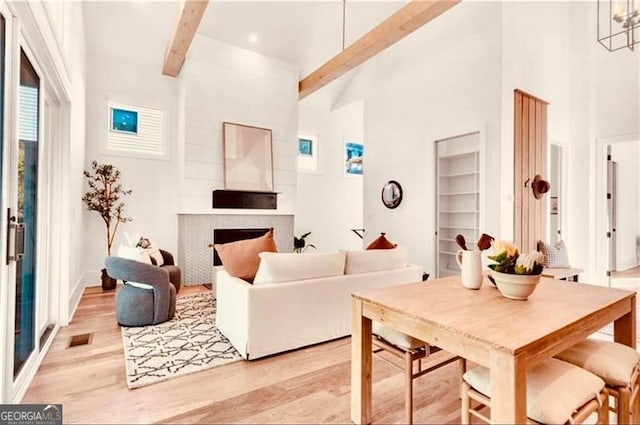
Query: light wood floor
304 386
632 272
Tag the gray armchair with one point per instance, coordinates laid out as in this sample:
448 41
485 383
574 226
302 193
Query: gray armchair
175 275
147 298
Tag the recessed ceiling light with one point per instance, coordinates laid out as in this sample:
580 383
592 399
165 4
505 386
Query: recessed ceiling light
253 37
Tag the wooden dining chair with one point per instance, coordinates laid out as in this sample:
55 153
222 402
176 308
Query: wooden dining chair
409 350
619 367
557 393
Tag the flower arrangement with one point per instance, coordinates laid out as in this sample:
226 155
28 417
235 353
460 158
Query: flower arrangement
508 260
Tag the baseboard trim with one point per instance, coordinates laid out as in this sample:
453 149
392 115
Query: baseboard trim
89 278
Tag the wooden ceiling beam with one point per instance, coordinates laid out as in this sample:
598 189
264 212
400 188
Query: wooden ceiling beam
183 33
406 20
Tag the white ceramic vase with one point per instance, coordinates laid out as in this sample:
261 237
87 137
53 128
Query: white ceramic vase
470 264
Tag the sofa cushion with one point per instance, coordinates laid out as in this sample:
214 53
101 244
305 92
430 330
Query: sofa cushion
554 389
375 260
381 242
280 267
397 338
609 360
240 258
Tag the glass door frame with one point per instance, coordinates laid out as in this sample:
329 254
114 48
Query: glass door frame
23 24
14 388
9 182
23 378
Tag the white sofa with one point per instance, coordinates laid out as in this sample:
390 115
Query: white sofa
266 318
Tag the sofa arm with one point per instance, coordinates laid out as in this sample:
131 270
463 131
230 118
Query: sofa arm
232 316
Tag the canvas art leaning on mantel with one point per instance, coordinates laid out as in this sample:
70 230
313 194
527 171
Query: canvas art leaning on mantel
248 158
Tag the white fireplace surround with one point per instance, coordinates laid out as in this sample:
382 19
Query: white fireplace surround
195 232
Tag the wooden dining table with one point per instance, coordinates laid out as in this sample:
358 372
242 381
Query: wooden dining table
505 335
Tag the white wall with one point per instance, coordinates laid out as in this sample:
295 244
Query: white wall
535 58
434 84
76 152
219 83
592 94
430 85
604 105
329 202
627 203
153 203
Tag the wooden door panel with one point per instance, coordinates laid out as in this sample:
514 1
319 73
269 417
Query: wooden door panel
530 158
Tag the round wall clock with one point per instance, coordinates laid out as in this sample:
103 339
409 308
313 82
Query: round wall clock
391 194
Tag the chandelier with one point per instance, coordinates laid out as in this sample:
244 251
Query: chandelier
618 22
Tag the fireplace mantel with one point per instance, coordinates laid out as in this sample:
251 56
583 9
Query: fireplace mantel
235 211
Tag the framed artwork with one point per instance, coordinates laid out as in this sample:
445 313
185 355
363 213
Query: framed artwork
308 153
124 121
248 157
353 156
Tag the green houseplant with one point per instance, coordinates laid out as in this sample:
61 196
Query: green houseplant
104 197
300 244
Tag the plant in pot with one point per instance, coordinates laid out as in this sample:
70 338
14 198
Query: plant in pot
104 197
300 244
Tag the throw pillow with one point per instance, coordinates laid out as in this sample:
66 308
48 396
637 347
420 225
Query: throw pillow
375 260
555 255
381 242
156 256
133 253
279 267
240 258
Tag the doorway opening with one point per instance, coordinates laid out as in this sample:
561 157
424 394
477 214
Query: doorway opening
623 204
556 195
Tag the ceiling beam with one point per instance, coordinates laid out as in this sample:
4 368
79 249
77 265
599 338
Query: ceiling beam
406 20
183 33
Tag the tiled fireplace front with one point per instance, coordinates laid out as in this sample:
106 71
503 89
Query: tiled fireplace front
195 232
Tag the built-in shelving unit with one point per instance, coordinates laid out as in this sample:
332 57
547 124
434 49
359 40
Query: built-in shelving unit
458 198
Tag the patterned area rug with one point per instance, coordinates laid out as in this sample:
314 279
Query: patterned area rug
188 343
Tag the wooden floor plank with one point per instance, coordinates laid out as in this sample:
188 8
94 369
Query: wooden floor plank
309 385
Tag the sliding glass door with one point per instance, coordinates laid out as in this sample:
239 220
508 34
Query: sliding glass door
30 136
27 212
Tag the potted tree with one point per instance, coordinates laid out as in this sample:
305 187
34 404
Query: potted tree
104 197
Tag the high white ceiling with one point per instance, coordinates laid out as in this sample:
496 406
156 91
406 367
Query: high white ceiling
306 33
